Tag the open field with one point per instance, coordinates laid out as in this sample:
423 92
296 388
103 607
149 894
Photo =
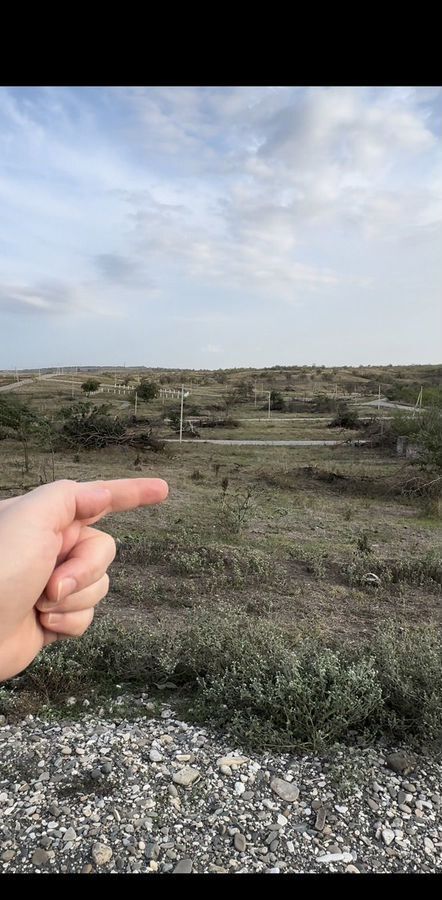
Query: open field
322 542
308 533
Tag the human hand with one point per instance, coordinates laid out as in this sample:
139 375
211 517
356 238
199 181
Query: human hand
53 564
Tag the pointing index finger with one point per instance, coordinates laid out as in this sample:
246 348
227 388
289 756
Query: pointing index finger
128 493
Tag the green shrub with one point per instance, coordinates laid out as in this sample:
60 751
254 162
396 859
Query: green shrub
235 509
346 417
268 694
409 664
422 571
247 677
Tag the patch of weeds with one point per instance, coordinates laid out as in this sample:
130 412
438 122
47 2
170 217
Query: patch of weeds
250 679
235 510
363 543
238 566
343 776
409 663
425 571
261 605
315 561
130 586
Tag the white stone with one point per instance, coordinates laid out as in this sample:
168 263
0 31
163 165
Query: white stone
288 792
387 836
101 854
335 857
232 761
186 776
155 756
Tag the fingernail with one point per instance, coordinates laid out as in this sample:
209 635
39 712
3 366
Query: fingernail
65 587
54 619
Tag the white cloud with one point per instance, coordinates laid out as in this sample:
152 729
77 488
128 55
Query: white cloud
253 196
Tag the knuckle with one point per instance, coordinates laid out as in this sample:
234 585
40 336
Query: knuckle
112 547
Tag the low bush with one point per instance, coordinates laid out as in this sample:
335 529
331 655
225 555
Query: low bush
250 679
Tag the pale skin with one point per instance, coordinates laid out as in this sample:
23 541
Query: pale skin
53 564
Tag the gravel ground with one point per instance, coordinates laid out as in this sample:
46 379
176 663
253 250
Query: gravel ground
157 795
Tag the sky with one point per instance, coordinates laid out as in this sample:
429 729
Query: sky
213 227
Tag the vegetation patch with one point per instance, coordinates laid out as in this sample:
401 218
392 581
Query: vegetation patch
249 678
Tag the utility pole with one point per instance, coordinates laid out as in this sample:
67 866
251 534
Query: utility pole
181 413
72 384
419 400
270 395
255 394
379 397
136 402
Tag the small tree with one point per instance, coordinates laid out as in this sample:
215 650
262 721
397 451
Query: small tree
430 437
17 418
277 401
147 390
90 386
346 417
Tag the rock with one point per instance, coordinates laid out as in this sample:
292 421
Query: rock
239 842
335 857
405 808
70 835
87 869
40 857
320 819
401 762
401 797
353 869
372 804
387 836
225 770
107 767
186 776
231 761
239 788
183 867
284 789
8 855
155 756
101 854
410 788
152 851
172 790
